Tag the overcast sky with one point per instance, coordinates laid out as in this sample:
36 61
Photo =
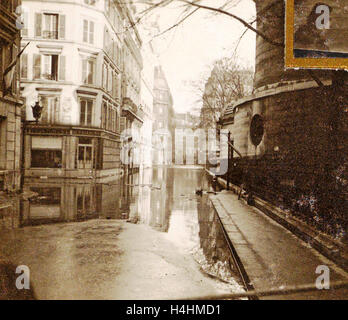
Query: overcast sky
188 50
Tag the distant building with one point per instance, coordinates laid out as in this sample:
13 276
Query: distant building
85 72
10 102
185 141
163 115
147 102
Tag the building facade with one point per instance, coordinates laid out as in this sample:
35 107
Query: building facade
132 111
76 66
10 102
187 137
147 101
163 115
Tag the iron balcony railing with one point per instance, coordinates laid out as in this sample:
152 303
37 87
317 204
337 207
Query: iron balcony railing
50 34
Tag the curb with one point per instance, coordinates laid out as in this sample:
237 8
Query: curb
330 248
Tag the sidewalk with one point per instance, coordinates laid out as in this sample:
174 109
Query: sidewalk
273 256
333 249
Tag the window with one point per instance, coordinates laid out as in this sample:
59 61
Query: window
50 30
24 66
7 53
49 26
49 67
46 158
88 69
105 76
24 22
110 80
85 153
104 115
88 31
86 109
256 129
51 109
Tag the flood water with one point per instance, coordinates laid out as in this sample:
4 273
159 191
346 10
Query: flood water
162 199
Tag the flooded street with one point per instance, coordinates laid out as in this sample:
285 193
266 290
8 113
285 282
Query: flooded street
148 236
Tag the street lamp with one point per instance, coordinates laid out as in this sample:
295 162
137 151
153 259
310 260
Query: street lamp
37 110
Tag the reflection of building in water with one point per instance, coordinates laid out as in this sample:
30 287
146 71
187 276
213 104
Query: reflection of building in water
144 198
308 36
60 202
161 204
183 219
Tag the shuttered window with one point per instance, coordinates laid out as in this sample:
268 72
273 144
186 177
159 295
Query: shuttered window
88 31
61 32
47 25
24 66
91 32
38 24
62 67
88 70
37 66
85 30
24 31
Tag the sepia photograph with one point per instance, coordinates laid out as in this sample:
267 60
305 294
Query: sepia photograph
173 156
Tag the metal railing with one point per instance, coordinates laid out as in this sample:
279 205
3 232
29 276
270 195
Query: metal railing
50 34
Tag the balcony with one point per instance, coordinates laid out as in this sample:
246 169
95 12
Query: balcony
50 34
50 76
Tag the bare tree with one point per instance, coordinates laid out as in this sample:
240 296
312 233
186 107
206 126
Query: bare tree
226 83
191 7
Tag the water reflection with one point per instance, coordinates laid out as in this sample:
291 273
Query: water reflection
162 198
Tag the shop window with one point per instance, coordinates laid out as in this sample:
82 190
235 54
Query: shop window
85 153
46 158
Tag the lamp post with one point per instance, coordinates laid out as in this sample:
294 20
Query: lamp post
37 110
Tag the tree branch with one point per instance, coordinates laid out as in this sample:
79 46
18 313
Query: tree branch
246 24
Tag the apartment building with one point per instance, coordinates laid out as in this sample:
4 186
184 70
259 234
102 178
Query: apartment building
10 102
132 111
74 66
163 115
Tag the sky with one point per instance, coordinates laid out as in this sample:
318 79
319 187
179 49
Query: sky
187 52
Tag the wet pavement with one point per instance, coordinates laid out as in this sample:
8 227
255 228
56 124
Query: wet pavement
148 236
272 256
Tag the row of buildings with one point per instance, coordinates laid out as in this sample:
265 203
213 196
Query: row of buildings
100 87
